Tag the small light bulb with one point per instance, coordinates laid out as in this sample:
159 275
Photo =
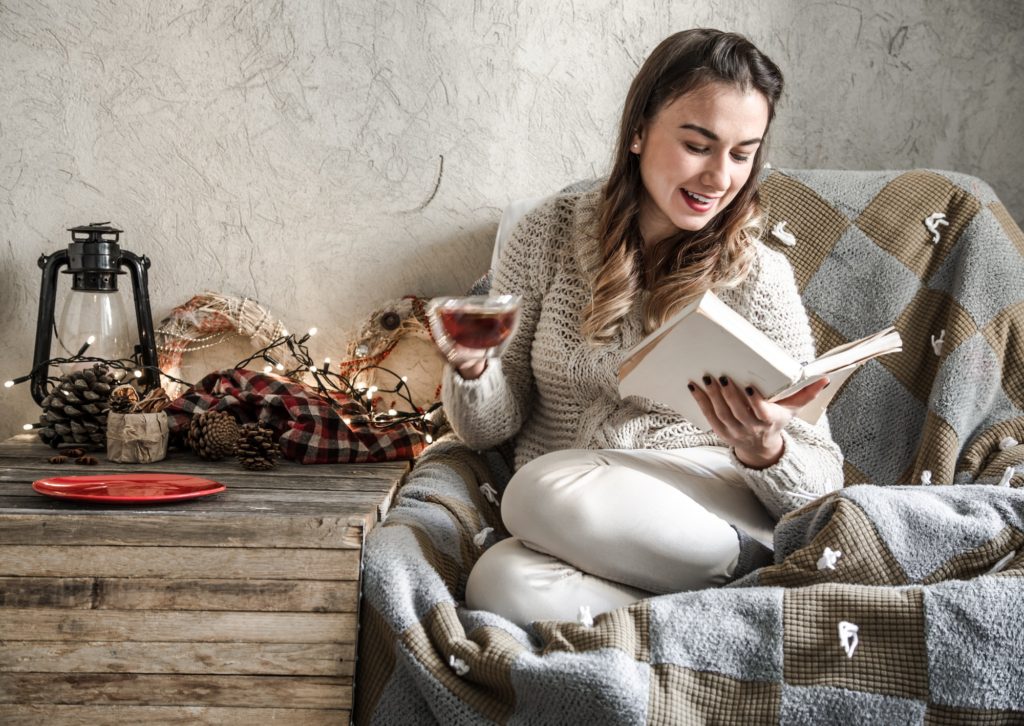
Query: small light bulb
371 390
311 332
279 366
138 373
346 421
267 369
429 438
392 412
405 379
284 332
327 361
312 368
28 427
8 384
91 339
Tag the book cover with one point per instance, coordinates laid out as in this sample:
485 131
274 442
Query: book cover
709 337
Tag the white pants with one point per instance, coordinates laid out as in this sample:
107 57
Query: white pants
605 528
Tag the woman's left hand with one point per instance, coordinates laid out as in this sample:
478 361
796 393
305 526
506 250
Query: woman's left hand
744 420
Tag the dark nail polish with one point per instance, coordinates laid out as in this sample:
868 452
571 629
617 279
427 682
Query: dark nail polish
723 380
749 390
691 386
826 385
707 380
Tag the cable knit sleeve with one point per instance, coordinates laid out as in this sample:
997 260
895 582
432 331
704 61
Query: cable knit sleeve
811 464
491 409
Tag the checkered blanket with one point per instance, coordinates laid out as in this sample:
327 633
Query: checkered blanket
311 429
886 604
937 255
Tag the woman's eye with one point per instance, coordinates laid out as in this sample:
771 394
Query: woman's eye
741 158
697 149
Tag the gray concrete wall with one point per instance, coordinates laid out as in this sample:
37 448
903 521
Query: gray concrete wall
326 156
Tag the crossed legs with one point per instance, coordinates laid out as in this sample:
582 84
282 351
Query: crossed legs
605 528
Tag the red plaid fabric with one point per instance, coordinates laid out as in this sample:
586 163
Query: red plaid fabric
309 424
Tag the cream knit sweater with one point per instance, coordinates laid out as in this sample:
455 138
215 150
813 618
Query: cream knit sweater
552 390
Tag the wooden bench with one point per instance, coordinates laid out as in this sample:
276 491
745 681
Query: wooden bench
236 608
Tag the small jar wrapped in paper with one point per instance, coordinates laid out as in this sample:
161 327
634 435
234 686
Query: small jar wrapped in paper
137 438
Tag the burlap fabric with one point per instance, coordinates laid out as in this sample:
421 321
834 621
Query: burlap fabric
919 620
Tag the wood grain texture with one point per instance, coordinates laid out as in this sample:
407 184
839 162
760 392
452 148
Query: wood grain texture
332 527
179 690
134 593
25 624
285 659
116 715
223 609
179 562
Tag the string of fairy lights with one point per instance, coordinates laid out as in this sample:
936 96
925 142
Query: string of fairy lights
356 403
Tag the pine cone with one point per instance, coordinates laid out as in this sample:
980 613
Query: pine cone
257 448
213 434
75 410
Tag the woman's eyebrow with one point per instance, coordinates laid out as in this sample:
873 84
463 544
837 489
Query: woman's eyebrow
714 137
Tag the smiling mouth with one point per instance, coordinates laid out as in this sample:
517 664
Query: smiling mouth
697 201
699 198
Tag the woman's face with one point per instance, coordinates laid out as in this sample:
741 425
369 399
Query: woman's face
696 155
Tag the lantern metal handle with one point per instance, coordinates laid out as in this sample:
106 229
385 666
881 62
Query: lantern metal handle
50 265
137 266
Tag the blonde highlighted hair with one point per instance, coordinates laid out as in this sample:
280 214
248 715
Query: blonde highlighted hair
686 264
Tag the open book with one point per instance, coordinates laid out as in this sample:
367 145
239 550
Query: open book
709 337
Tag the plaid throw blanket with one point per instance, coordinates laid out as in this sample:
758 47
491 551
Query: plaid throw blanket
310 429
917 620
886 604
936 254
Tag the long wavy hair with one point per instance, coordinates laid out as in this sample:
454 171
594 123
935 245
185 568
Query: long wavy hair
686 264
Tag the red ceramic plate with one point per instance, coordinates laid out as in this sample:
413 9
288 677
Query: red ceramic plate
127 488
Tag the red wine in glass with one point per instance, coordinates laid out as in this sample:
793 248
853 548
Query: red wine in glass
479 322
475 328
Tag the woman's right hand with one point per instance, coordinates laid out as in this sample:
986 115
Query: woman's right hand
469 363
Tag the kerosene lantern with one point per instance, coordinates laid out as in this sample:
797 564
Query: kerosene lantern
93 316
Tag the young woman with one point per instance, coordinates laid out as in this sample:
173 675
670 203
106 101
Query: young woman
612 499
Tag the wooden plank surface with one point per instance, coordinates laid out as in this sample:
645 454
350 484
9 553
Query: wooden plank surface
365 501
59 715
136 593
25 450
328 527
216 505
283 659
178 562
289 506
235 608
180 690
334 478
144 626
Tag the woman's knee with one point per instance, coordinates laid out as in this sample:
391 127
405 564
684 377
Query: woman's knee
540 493
508 577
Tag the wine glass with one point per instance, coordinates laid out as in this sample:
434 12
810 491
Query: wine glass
474 326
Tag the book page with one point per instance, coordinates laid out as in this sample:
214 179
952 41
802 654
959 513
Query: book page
859 351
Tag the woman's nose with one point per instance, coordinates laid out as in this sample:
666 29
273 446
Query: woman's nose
716 175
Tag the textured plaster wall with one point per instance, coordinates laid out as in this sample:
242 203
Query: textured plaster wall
326 156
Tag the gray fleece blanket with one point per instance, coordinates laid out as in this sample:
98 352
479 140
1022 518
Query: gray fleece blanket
894 605
885 604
